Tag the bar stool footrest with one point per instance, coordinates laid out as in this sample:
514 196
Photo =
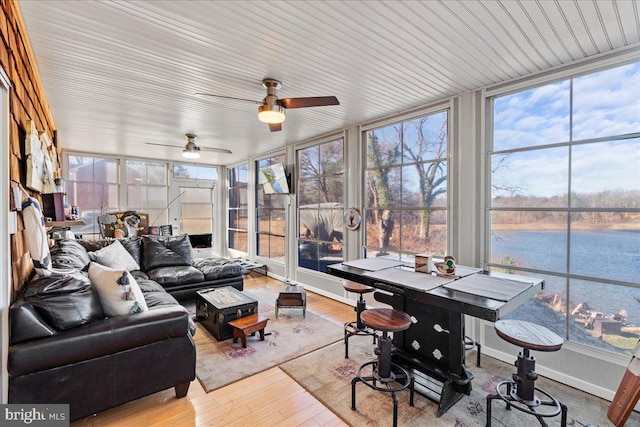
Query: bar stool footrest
399 375
512 400
351 328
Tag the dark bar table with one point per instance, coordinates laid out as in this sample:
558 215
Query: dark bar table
433 347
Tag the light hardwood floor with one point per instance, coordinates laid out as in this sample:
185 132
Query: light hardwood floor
266 399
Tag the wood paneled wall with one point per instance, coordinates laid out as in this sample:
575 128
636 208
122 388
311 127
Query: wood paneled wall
27 102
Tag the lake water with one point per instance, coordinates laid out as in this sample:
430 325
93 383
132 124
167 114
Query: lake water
601 254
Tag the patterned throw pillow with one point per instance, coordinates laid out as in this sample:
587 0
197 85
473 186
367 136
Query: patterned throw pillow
36 236
118 291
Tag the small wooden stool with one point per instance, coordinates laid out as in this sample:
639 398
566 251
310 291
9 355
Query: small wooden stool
357 327
383 372
292 296
521 392
248 325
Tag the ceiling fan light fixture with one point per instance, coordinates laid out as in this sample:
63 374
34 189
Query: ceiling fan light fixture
271 114
191 153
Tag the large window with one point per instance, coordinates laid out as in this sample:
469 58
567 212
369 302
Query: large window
271 217
196 210
565 203
147 189
406 187
196 183
320 209
92 187
238 208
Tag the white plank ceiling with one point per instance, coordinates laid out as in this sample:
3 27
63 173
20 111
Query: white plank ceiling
120 74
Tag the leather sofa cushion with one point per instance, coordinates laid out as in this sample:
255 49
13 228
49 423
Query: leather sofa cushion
157 297
166 251
139 274
68 253
63 301
147 285
133 245
26 323
219 268
101 338
176 275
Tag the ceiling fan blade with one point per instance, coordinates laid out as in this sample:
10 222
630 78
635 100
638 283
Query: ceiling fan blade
211 95
164 145
215 150
314 101
275 127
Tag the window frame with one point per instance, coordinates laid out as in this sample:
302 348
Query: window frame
441 107
316 241
238 208
270 236
95 230
566 276
147 188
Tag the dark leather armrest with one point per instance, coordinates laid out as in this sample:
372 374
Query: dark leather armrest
100 338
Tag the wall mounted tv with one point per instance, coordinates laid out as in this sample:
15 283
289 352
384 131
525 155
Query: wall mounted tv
274 179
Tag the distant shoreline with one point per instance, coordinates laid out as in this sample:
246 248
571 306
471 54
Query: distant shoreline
574 227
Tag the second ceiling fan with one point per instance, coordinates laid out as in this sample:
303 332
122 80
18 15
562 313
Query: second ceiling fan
191 150
271 108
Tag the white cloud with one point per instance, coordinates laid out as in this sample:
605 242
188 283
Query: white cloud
606 166
604 104
542 173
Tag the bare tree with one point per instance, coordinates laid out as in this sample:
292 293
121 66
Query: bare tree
378 182
324 170
431 174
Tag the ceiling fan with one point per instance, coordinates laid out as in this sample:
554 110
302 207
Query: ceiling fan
191 150
271 108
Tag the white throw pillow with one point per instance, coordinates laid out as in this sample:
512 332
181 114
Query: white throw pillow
115 256
118 291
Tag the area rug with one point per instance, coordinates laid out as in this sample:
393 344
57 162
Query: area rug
327 375
289 336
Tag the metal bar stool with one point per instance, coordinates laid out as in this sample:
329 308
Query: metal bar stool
521 392
470 344
357 327
382 370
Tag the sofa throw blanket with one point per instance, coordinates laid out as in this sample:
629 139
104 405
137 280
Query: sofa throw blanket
36 236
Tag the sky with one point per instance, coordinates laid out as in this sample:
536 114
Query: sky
605 104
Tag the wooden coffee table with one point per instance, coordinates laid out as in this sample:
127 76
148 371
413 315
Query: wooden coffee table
247 326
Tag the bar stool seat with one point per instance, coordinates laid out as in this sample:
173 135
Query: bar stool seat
380 373
357 327
521 391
